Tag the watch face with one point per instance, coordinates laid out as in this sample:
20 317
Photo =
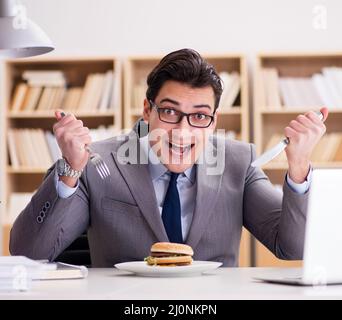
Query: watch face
60 167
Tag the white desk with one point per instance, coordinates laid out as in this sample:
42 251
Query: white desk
224 283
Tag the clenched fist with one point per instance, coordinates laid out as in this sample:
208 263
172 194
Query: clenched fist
72 137
304 133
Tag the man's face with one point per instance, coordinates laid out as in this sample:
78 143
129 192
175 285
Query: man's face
178 145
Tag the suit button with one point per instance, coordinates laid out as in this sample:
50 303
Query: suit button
44 209
42 214
40 219
47 205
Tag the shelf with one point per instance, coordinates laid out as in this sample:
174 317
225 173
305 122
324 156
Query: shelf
270 120
50 114
35 110
26 170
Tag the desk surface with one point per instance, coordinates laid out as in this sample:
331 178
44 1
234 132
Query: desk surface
223 283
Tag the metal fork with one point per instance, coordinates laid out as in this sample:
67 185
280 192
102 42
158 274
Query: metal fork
97 161
100 166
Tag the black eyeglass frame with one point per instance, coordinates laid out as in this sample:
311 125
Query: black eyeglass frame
182 115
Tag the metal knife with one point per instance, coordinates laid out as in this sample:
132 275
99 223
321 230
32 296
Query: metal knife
275 151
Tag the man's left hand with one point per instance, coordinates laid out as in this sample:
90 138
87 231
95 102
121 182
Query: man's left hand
304 133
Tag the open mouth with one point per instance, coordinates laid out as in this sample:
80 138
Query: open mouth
180 149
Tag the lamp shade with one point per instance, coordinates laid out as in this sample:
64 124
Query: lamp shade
21 42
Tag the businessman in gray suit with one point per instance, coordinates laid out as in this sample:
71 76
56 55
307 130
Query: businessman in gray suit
177 182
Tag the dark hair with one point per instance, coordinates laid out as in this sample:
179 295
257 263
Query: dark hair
185 66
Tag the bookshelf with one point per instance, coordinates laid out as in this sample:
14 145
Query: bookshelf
285 85
233 116
96 80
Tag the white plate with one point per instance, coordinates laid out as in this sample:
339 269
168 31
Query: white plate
141 268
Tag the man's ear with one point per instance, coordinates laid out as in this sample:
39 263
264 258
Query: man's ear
147 111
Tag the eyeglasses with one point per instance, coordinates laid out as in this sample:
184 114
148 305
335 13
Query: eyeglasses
169 115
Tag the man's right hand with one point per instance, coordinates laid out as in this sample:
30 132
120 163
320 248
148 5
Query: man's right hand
72 137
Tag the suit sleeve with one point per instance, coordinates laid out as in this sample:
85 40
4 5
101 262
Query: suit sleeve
276 220
49 223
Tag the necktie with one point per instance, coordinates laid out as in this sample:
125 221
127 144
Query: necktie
171 214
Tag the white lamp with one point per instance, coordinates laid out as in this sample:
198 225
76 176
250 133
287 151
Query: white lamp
19 36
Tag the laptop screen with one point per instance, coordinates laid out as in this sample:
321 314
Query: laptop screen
323 236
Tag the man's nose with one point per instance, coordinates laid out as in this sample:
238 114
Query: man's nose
184 124
182 132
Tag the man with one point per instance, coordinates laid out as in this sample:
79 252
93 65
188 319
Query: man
173 195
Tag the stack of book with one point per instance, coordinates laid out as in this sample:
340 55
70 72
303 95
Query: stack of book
320 89
48 90
18 272
31 148
329 148
36 148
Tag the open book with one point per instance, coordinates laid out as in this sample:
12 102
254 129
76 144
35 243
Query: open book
64 271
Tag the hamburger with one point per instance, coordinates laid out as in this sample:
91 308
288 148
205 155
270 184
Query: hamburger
170 254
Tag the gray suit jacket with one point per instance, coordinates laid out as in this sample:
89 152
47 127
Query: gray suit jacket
123 220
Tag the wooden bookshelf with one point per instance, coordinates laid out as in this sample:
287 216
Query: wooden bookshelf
136 70
270 120
76 71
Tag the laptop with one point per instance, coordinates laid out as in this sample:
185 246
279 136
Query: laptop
322 263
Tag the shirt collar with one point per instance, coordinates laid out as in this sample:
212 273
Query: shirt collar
156 168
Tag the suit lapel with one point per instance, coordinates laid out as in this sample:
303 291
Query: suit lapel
206 196
138 179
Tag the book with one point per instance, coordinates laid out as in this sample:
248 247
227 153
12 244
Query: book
231 88
271 87
55 152
44 78
338 154
41 269
107 91
17 272
139 94
31 99
12 149
64 271
19 96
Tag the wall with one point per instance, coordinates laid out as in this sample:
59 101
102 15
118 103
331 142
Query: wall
155 26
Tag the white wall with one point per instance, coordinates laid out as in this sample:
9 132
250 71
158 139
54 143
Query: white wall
210 26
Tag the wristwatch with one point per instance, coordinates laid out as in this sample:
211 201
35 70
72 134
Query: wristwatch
65 170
